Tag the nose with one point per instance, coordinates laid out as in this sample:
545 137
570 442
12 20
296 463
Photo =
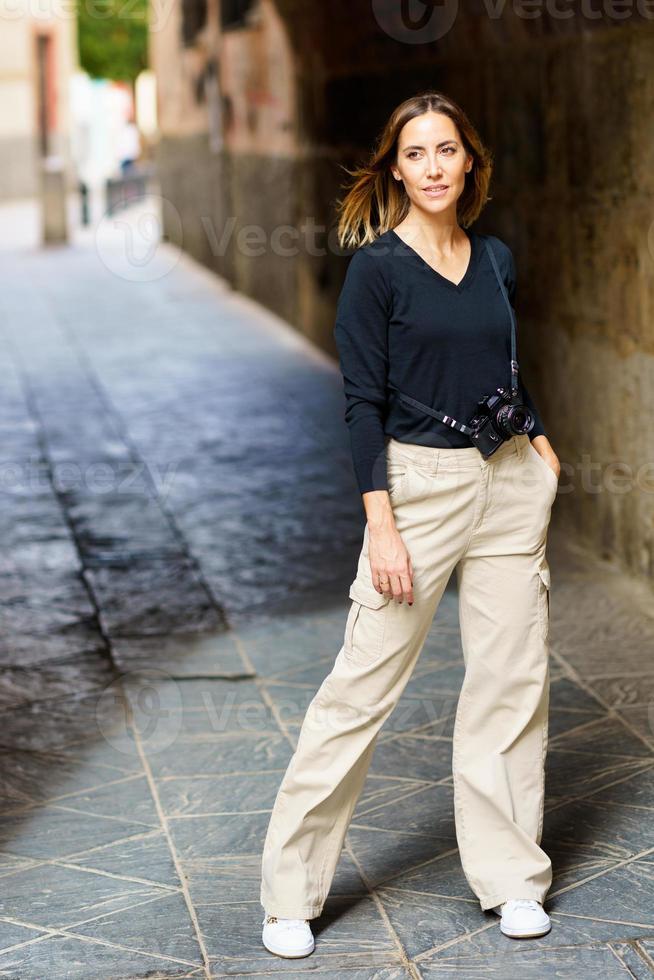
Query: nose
434 165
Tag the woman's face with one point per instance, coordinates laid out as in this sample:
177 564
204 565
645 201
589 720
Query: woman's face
432 162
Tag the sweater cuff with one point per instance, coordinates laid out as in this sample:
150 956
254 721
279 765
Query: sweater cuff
369 457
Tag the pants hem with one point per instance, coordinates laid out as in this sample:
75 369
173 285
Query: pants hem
490 901
298 912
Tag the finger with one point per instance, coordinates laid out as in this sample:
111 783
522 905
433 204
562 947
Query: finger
407 588
396 588
378 575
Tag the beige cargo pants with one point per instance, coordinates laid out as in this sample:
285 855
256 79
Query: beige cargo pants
489 520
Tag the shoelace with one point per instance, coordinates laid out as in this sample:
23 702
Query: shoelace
527 903
287 923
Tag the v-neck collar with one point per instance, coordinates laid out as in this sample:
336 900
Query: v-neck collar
468 274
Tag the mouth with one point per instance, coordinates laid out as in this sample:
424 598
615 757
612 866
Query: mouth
435 189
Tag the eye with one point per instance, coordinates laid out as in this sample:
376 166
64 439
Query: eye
451 148
412 153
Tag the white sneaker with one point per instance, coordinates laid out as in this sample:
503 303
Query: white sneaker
287 937
523 918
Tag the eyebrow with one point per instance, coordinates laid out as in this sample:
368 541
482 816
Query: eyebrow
415 147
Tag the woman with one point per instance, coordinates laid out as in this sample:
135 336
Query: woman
424 330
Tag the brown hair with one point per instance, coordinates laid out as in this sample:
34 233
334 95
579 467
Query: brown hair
374 193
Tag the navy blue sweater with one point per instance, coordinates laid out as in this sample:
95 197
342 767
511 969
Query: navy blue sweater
399 321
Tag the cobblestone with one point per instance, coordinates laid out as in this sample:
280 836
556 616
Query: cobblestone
180 526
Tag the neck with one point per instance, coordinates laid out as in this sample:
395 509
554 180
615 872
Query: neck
438 233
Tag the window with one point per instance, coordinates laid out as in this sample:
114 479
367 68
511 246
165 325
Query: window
45 92
234 13
194 18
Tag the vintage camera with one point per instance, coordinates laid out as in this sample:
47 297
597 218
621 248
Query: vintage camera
499 417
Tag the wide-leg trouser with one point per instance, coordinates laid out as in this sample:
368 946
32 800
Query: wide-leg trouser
488 519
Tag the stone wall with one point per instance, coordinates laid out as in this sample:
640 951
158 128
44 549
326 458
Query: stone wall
564 104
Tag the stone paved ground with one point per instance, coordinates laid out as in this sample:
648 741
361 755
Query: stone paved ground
180 525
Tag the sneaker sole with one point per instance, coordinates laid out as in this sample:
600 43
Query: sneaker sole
290 956
525 935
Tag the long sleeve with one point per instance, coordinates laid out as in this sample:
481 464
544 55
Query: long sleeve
538 429
361 335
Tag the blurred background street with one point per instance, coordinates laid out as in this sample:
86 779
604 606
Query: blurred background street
179 515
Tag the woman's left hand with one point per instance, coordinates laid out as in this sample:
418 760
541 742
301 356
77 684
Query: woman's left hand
543 447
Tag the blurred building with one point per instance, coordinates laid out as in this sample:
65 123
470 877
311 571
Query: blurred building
227 102
37 59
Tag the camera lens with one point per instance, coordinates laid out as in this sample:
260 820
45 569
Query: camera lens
521 419
515 420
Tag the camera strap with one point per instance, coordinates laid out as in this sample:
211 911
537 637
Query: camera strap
447 419
514 361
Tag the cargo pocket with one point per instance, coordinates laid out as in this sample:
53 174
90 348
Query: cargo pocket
366 621
544 599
